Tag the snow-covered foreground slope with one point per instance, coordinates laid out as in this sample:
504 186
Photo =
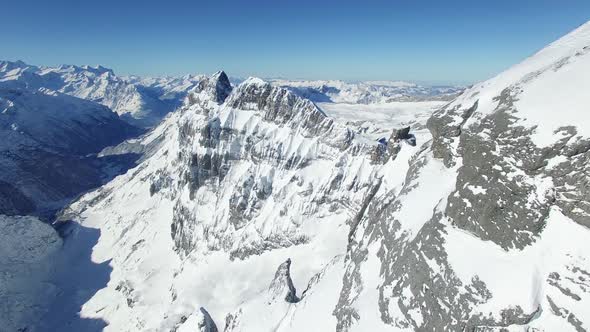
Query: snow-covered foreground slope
503 242
141 102
259 213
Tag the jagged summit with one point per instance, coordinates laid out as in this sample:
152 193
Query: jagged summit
222 85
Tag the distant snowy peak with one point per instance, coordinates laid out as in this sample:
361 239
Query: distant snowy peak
139 102
368 92
8 68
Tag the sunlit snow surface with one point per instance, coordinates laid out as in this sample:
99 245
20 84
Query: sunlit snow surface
379 119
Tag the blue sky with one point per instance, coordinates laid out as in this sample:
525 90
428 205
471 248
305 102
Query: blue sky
424 41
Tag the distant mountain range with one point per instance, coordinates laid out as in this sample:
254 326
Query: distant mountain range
369 92
141 102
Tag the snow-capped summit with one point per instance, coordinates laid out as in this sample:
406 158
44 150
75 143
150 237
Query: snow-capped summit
137 103
217 87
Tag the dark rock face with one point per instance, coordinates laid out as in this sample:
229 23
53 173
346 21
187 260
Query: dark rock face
216 87
282 285
445 131
207 325
222 87
491 200
388 149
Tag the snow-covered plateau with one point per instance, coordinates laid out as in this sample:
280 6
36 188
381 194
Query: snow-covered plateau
254 208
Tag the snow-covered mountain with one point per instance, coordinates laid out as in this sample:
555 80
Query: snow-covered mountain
141 102
369 92
255 211
47 146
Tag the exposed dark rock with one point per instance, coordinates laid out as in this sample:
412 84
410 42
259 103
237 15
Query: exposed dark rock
217 86
445 130
389 148
282 285
207 324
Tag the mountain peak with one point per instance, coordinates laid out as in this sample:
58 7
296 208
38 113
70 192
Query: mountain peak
216 87
222 86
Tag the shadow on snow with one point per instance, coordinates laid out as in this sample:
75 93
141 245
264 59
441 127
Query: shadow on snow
78 279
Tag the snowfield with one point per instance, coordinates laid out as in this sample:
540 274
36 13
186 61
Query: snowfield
378 119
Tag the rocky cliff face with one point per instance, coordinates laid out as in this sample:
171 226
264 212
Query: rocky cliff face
253 194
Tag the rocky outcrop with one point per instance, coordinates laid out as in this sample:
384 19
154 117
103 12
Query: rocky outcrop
388 149
282 284
206 324
217 87
200 321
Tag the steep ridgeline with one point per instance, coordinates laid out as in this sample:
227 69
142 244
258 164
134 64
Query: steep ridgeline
270 216
46 149
242 179
141 102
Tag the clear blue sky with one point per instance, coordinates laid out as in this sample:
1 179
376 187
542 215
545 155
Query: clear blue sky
425 41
